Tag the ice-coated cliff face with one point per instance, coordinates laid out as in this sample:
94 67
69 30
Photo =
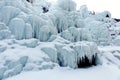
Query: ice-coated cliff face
24 22
39 36
29 21
70 54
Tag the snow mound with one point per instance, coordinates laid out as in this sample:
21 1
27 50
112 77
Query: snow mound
110 55
24 55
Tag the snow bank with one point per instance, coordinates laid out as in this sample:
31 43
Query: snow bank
21 56
101 73
110 55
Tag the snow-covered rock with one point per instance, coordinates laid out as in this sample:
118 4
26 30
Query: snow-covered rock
31 43
18 54
2 48
99 32
67 57
104 16
51 52
116 41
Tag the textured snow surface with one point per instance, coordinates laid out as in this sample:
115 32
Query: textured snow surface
17 56
94 73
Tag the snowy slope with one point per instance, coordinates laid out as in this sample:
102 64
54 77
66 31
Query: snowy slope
38 36
94 73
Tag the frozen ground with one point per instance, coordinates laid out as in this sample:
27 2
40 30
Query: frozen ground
109 69
93 73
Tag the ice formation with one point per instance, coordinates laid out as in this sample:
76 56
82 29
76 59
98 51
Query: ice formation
51 35
77 34
24 23
67 5
5 33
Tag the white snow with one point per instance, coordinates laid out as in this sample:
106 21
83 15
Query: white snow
23 55
38 39
94 73
68 5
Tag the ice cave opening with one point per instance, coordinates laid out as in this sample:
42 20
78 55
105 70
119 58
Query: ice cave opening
85 62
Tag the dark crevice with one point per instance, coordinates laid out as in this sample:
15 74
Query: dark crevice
94 60
34 35
59 60
31 1
107 16
45 10
84 62
117 20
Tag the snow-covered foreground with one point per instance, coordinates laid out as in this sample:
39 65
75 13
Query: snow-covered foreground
93 73
27 60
